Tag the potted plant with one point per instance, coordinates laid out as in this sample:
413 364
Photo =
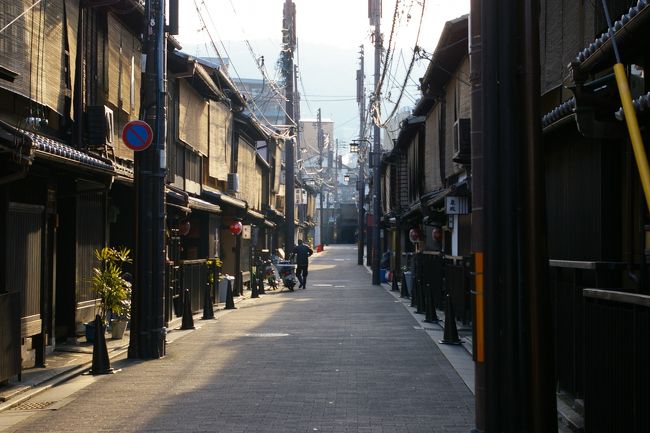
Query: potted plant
121 319
112 288
213 268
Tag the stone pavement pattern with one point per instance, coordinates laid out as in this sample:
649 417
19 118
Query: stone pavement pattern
342 356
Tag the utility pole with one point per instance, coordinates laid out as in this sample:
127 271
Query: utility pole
320 144
296 113
289 40
147 340
336 173
361 100
514 345
374 160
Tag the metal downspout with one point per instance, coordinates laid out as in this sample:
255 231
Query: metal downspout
477 226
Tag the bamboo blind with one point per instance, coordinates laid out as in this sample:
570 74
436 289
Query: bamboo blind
259 173
193 118
250 179
72 26
33 47
124 79
278 167
219 152
124 68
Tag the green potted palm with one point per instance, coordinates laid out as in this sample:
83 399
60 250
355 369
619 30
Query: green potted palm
112 288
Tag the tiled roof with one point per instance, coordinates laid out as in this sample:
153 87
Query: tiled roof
618 25
640 104
53 147
562 110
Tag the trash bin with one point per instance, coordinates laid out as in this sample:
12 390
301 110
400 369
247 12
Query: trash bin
408 277
383 275
223 287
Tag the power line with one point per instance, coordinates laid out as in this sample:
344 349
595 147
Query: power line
261 66
416 49
270 128
388 49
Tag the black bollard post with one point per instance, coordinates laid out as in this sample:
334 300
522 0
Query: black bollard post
404 290
430 315
230 300
260 285
253 283
208 308
451 332
414 291
419 284
394 287
419 298
188 320
101 363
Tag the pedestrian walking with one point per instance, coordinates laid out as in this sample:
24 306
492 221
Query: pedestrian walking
302 253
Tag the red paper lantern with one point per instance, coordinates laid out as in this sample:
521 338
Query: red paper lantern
236 228
415 235
436 232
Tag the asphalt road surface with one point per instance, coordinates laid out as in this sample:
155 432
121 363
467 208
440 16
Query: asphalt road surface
340 356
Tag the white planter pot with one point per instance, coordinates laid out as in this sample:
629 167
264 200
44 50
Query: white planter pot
117 328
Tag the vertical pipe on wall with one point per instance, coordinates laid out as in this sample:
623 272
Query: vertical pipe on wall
477 226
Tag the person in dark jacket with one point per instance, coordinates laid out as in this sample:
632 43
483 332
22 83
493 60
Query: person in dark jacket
302 253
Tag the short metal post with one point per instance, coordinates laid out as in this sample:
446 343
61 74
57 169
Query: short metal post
188 319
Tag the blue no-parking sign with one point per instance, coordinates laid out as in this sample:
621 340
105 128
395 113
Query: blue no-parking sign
137 135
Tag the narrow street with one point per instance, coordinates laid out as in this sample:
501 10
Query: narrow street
340 356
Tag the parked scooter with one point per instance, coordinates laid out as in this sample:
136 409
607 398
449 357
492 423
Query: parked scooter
286 271
270 274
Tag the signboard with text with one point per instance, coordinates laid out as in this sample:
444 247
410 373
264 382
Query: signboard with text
456 205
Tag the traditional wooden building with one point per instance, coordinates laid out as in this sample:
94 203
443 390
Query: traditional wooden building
70 79
425 182
597 214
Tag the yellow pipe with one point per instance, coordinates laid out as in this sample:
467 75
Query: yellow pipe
633 129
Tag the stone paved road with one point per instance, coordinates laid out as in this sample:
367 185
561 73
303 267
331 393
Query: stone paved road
341 356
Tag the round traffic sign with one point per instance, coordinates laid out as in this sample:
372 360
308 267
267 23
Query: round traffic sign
137 135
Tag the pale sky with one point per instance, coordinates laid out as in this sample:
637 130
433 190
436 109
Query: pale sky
329 35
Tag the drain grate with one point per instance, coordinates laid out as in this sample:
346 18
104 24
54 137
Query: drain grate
34 405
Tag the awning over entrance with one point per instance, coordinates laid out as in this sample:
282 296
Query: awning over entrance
274 214
254 215
432 198
223 198
197 203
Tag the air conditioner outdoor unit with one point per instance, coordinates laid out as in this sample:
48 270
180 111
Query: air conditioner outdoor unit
232 184
99 126
462 141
